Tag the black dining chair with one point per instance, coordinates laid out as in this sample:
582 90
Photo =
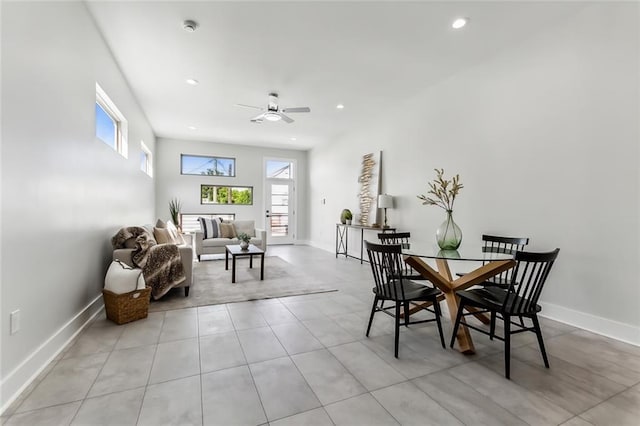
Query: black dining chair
387 266
520 299
394 237
401 238
508 245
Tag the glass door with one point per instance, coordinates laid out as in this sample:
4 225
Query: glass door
280 202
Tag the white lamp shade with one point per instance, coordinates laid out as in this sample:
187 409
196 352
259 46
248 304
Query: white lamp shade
385 201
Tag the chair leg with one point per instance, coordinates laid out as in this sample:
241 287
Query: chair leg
436 309
186 291
373 311
457 324
406 314
536 326
492 326
507 346
397 327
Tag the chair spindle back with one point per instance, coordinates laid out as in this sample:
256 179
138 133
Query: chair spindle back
508 245
394 237
528 279
387 266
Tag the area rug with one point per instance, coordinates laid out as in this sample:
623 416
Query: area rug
212 284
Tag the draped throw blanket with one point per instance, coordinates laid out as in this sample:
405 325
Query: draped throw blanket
160 263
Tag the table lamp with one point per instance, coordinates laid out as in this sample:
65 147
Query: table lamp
385 201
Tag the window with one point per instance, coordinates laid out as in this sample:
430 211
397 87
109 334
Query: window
214 194
207 166
146 159
111 126
279 169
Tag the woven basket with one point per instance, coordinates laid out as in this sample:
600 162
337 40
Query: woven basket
127 307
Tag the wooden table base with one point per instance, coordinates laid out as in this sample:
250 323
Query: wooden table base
443 279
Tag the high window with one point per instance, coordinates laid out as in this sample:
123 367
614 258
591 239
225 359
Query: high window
208 166
111 126
279 169
146 159
215 194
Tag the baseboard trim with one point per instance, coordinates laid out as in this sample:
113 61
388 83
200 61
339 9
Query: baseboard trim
29 369
616 330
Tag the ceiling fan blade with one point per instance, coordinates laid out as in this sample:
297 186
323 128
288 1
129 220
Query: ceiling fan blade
296 109
258 118
248 106
286 119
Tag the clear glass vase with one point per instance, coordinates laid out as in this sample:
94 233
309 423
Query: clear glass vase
448 234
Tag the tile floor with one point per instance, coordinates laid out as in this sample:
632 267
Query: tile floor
304 360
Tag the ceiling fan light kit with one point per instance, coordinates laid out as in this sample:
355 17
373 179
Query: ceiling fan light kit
272 116
273 112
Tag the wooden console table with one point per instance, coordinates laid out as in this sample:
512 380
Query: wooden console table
342 239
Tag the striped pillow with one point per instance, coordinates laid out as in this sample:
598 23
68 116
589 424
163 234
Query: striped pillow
210 227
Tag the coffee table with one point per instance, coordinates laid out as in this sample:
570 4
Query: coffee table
235 251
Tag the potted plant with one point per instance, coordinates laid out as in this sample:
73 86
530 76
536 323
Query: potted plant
244 240
346 216
174 210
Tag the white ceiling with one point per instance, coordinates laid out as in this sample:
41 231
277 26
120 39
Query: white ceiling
367 55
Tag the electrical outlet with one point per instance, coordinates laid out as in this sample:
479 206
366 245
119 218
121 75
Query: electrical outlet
15 321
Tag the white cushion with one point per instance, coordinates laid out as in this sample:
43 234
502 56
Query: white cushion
123 279
219 242
246 226
175 235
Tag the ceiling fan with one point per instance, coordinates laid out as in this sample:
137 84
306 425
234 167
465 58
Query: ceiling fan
273 112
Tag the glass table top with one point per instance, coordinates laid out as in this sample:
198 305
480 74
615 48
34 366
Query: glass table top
469 252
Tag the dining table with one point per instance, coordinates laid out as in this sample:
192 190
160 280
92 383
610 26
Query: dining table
486 265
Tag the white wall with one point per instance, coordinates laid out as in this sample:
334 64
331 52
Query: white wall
249 172
64 193
545 138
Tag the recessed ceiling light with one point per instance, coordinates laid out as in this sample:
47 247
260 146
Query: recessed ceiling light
192 127
192 81
189 25
340 106
459 23
293 139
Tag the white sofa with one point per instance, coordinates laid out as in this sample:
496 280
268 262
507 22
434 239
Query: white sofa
217 245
